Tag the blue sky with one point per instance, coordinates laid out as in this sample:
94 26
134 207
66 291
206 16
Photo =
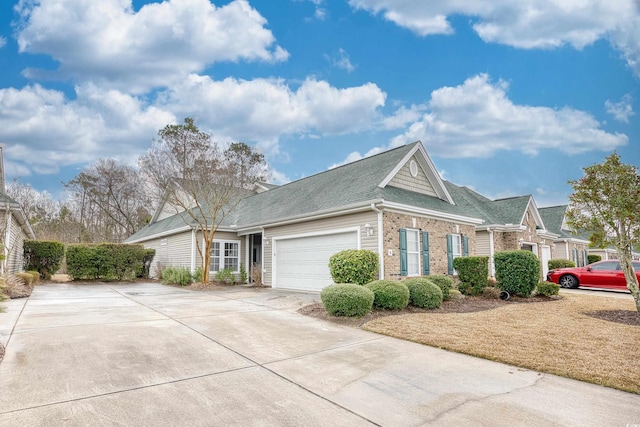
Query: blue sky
509 98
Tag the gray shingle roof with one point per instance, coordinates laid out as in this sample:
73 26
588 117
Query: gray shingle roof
502 211
553 218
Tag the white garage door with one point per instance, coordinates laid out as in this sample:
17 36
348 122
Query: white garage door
303 263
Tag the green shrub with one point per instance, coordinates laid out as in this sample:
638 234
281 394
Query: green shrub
389 295
455 294
591 258
472 272
560 263
243 274
357 266
347 299
226 276
105 261
42 256
176 276
547 289
36 277
197 275
423 293
445 283
517 272
145 267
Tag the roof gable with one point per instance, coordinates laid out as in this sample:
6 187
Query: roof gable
426 180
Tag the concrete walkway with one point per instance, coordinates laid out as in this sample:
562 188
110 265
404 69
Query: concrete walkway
151 355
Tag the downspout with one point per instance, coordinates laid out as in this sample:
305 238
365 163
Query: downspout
492 249
380 239
4 264
194 252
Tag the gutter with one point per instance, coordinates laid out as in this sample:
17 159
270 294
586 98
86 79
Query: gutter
380 239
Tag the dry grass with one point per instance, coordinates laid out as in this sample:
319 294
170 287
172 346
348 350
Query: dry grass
553 337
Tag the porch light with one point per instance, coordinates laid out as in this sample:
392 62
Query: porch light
368 229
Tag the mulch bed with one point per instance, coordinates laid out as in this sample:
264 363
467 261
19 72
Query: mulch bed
626 317
465 305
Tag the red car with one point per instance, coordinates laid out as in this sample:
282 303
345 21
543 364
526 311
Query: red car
601 274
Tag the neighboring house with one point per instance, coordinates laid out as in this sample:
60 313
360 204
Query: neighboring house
508 224
569 245
14 228
394 203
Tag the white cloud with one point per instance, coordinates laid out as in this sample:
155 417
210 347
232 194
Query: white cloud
44 131
621 111
341 60
3 41
108 42
477 119
265 109
524 24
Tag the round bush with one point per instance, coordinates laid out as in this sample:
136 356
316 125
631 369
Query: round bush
357 266
445 283
347 299
389 295
423 293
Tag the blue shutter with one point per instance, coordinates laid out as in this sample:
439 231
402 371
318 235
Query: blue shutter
465 242
449 253
403 252
425 253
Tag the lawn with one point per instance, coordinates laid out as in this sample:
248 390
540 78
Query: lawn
556 337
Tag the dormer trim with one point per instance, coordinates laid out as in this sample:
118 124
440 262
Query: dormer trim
427 166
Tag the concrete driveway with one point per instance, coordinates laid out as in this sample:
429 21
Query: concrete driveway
151 355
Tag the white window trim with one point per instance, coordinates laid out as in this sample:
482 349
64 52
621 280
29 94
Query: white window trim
222 257
419 252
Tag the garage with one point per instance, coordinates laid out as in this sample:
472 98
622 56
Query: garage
302 263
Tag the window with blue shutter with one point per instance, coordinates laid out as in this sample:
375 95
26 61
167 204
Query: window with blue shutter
403 252
425 253
450 253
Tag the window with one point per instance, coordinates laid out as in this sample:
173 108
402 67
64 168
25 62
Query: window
225 254
413 253
457 246
604 266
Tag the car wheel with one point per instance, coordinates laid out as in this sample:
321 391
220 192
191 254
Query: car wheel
568 281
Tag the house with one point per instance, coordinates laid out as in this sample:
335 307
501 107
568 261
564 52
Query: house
569 244
14 228
394 203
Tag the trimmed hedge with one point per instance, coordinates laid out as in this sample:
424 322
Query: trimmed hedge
445 283
593 258
423 293
357 266
560 263
43 256
105 261
547 289
347 299
517 272
389 295
473 272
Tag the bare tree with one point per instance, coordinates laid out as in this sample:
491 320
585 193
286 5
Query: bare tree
110 201
195 176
